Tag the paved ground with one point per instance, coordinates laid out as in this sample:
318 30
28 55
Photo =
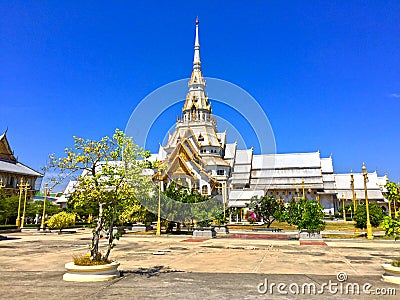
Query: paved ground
32 265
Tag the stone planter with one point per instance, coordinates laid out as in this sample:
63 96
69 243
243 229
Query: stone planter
91 273
392 274
221 229
204 232
310 235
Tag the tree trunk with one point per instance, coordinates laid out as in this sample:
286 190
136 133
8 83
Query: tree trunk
110 235
94 250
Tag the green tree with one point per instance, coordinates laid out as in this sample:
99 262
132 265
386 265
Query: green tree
34 208
393 195
305 214
61 220
182 204
136 213
269 208
110 176
391 227
375 215
8 209
82 209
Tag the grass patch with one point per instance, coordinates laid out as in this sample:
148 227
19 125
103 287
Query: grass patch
341 236
84 260
396 263
283 225
331 226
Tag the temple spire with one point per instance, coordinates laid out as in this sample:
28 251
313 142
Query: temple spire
196 57
197 107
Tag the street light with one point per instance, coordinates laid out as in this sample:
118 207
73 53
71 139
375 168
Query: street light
18 223
369 228
352 191
343 209
356 231
23 215
159 205
44 206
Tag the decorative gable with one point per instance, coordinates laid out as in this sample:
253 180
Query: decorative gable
5 150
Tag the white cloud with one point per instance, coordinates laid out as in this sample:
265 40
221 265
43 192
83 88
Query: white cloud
394 95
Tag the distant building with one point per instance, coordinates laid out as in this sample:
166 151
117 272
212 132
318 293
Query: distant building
375 188
62 198
12 171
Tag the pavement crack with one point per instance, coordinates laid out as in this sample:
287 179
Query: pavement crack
346 261
260 262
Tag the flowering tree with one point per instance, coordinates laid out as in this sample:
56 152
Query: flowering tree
251 217
268 208
61 220
110 176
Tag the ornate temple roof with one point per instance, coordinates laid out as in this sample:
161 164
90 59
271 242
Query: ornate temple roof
9 163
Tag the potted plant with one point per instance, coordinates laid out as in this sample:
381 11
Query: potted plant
109 176
392 269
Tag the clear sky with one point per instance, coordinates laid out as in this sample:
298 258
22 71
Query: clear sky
326 73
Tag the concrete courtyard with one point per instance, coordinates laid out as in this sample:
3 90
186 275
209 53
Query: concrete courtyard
179 267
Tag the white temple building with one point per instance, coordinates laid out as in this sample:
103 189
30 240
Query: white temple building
197 155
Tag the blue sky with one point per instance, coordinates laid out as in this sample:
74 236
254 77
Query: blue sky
326 73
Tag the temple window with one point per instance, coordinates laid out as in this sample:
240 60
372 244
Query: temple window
204 190
220 172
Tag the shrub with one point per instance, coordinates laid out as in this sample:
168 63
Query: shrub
396 263
61 220
376 215
7 227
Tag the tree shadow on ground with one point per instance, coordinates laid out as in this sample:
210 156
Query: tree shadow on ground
149 272
8 238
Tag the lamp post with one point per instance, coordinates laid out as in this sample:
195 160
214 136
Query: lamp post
44 206
224 197
224 190
23 215
352 191
356 231
158 232
302 186
18 223
369 228
343 209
